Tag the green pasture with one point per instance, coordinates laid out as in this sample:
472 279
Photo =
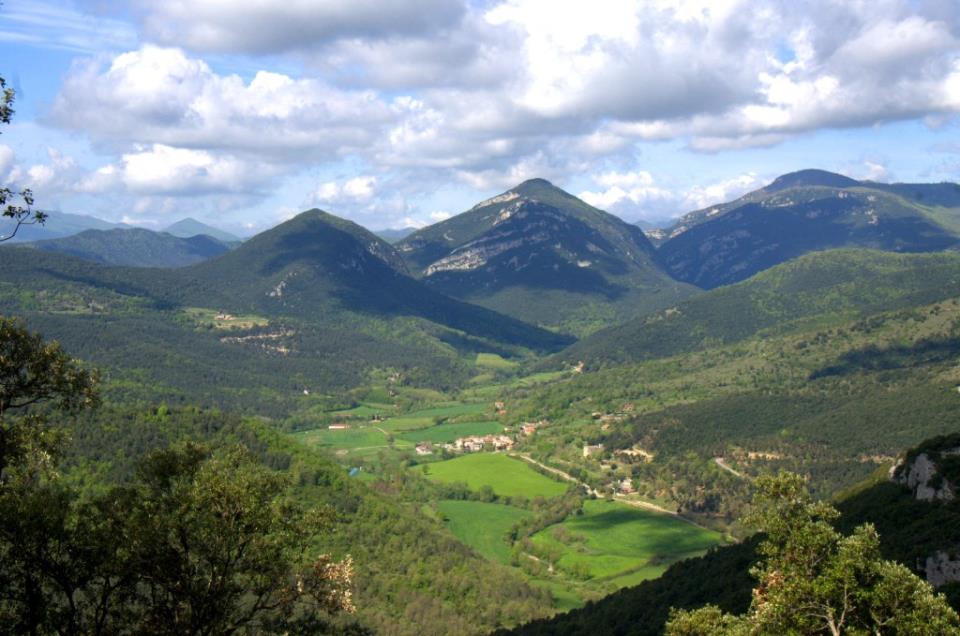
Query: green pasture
445 433
621 543
453 409
482 526
366 409
368 437
507 476
495 362
406 423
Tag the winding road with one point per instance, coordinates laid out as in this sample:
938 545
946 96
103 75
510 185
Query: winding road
646 505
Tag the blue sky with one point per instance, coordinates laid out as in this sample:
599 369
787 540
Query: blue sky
392 113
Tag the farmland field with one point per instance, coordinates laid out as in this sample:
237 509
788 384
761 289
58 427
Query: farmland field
493 361
507 476
366 409
450 410
620 543
482 526
350 439
444 433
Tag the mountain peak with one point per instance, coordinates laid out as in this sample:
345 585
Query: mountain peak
187 227
811 177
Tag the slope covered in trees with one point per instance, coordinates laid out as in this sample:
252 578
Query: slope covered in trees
542 255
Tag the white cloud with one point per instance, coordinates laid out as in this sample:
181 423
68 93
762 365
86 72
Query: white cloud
440 215
485 94
260 26
160 95
700 197
869 170
7 159
165 170
636 195
49 181
357 190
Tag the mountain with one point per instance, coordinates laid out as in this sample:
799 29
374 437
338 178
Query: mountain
185 228
317 262
546 257
394 235
135 247
316 302
811 289
803 212
58 225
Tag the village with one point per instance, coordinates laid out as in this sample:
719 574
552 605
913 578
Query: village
511 437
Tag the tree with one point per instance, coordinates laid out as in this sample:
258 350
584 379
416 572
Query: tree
33 371
17 206
813 580
217 548
199 543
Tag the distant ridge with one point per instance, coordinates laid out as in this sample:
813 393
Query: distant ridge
813 287
135 247
394 235
58 225
185 228
802 212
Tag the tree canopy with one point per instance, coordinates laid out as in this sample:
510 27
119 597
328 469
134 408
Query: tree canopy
814 580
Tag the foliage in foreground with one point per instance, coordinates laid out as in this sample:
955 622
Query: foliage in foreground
199 543
814 580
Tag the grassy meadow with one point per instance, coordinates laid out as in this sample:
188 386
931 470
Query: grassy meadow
615 542
482 526
507 476
446 433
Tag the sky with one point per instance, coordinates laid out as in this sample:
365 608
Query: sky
391 113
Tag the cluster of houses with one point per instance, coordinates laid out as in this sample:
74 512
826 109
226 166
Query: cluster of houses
471 444
529 428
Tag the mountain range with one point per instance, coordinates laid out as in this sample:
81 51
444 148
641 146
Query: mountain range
188 227
807 211
811 326
136 247
317 301
541 255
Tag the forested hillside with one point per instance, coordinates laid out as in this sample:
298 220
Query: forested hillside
542 255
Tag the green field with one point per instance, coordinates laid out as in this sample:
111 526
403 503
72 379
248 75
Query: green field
406 423
444 433
622 544
507 476
493 361
452 409
367 409
352 439
482 526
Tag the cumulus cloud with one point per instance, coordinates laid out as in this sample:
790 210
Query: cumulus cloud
259 26
489 94
160 95
49 180
165 170
636 195
630 193
359 189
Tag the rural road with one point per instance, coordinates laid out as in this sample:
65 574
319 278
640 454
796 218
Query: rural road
630 502
722 464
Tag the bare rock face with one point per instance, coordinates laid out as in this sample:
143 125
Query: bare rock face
922 477
940 569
